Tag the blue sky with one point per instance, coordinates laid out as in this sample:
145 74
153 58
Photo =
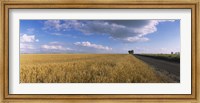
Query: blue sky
99 36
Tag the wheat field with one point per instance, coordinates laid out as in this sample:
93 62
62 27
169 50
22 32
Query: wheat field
86 68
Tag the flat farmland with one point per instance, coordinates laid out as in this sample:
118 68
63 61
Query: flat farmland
86 68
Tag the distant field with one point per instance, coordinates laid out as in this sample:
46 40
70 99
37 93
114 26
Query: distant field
168 57
85 68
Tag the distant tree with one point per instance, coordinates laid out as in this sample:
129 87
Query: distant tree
131 51
177 53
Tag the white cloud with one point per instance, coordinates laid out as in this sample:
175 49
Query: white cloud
59 25
57 34
154 50
28 38
124 30
26 46
88 44
52 24
37 40
167 50
166 20
27 43
30 30
136 39
54 47
55 43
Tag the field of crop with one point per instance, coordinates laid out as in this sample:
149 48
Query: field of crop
85 68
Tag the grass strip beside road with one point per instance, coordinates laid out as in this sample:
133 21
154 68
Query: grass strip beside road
167 57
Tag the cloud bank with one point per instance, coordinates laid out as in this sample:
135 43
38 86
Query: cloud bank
25 38
27 43
123 30
91 45
54 47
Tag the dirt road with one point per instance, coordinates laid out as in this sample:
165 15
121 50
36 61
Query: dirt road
162 65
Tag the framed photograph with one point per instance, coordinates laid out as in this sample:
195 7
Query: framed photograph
100 51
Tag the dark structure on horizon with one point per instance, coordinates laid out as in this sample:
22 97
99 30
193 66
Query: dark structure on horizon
131 51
